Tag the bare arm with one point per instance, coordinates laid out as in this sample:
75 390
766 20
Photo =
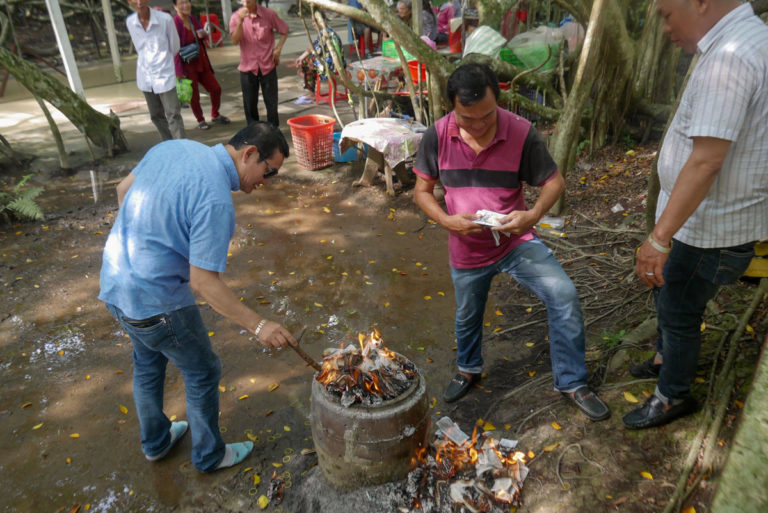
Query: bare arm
423 195
279 48
210 286
122 188
692 186
237 34
520 221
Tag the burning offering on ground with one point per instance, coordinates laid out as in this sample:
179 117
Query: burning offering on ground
366 374
475 474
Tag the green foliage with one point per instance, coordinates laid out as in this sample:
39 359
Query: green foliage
613 339
629 142
19 202
583 146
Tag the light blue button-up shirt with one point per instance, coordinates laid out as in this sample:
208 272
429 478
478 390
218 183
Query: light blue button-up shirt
177 212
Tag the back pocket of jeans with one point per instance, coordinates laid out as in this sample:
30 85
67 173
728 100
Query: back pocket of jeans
732 264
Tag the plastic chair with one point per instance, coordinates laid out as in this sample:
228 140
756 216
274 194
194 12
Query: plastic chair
332 94
213 28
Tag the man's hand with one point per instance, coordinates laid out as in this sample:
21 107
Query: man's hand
462 224
276 56
273 334
242 13
650 264
517 222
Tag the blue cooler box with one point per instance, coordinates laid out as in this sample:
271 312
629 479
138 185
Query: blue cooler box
349 156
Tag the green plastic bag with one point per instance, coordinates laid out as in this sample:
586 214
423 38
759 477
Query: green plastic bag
184 89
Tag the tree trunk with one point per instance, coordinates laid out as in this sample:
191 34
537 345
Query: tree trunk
103 131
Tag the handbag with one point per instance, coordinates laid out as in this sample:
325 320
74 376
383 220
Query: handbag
189 52
184 89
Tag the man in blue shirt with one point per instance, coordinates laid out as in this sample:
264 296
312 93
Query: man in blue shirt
170 239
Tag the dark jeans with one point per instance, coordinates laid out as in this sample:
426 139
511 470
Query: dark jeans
250 83
692 277
180 337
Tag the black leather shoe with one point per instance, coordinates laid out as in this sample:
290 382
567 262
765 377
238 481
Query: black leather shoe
655 413
588 402
647 369
459 386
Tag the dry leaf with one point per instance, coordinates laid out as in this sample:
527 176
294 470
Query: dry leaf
273 386
123 410
630 397
286 428
427 298
222 388
531 373
256 479
556 425
499 312
38 426
327 211
529 344
489 427
75 435
689 510
252 437
531 455
277 465
244 396
26 405
550 448
263 501
211 333
647 475
528 310
75 508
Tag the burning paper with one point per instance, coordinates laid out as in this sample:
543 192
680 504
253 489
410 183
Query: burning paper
478 474
367 373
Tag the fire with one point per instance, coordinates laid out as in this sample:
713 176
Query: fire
366 373
477 472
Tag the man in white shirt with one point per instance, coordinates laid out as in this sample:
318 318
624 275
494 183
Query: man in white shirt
156 40
713 169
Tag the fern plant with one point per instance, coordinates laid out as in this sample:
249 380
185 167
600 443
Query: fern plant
20 203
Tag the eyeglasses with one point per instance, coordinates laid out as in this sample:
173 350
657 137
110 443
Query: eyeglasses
271 171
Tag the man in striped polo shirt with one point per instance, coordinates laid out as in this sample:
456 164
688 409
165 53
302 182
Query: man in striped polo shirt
482 154
713 204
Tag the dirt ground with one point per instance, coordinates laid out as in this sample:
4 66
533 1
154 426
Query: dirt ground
311 250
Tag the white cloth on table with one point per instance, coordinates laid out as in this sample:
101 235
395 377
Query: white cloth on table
396 139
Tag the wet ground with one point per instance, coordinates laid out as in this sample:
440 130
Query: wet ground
310 251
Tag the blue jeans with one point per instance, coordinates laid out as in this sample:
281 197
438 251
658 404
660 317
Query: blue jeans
180 337
692 277
533 266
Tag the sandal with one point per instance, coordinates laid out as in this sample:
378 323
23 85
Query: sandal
221 120
203 126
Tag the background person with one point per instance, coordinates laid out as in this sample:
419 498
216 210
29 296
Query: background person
170 239
199 70
253 28
713 203
316 62
482 154
157 42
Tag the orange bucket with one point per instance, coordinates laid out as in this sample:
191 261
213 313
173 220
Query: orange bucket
413 66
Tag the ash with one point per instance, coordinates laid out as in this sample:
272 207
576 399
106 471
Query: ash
366 375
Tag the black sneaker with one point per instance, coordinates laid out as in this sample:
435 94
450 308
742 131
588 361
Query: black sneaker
459 386
647 369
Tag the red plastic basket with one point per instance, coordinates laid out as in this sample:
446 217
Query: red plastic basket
313 140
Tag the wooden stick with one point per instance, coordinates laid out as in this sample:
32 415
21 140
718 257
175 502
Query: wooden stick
303 354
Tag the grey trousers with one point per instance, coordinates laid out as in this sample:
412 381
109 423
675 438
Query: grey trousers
165 112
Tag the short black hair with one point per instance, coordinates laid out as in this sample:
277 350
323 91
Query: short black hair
469 82
265 136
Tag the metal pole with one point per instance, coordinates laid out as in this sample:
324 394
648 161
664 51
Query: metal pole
65 48
226 14
106 6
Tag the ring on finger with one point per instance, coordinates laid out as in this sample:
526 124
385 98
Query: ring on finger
650 274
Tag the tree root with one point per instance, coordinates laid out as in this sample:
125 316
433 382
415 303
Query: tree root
560 459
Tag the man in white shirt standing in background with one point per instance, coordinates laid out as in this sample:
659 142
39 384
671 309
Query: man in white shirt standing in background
157 41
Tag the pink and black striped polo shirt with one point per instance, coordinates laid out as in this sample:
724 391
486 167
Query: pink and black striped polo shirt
490 180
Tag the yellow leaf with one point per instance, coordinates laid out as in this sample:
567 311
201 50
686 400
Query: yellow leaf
531 373
26 405
386 304
556 425
427 298
433 402
286 428
528 310
489 427
211 333
252 437
68 461
327 211
244 396
263 501
749 328
550 448
123 410
277 465
87 376
738 403
75 435
499 312
698 380
647 475
689 510
273 386
703 326
529 344
401 233
439 293
318 304
222 388
531 455
172 418
38 426
256 479
630 397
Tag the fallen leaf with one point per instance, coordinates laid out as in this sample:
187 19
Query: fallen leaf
222 388
211 333
433 402
263 501
531 455
256 479
738 403
529 344
647 475
286 428
244 396
499 312
556 425
305 452
619 501
550 448
749 328
68 461
273 386
703 326
489 427
427 298
630 397
531 373
689 510
318 305
277 465
268 413
75 435
75 508
123 410
252 437
327 211
26 405
528 310
38 426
